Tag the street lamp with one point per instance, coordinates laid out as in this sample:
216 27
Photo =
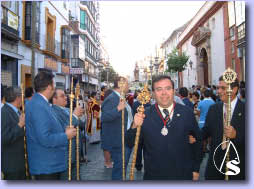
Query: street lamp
156 64
151 70
107 70
191 63
100 67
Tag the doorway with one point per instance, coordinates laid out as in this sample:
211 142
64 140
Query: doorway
204 65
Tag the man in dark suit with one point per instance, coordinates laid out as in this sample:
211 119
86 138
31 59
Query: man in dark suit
46 138
12 136
165 130
63 114
218 131
111 119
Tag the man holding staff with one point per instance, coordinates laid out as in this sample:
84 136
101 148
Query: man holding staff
111 119
218 130
46 138
166 126
12 136
62 114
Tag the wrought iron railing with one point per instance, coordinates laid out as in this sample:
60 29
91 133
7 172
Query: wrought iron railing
51 45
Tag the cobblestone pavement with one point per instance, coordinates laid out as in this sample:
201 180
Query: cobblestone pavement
95 170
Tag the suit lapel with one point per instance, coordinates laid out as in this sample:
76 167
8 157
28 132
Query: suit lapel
155 115
220 110
237 112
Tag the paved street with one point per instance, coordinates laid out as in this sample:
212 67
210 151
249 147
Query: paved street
95 170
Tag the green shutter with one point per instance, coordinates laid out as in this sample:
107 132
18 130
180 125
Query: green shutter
82 19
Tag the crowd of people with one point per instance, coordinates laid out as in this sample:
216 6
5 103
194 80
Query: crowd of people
177 128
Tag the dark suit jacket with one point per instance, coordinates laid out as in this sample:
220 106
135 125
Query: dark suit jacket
169 157
111 121
214 128
63 118
12 142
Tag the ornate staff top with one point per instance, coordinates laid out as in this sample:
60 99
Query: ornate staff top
143 97
122 83
229 76
77 92
71 102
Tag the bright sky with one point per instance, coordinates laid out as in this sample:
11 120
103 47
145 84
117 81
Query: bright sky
131 30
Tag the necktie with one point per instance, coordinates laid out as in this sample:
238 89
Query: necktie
166 113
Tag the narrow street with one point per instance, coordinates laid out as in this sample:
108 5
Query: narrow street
95 170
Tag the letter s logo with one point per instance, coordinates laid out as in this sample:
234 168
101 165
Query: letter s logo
231 165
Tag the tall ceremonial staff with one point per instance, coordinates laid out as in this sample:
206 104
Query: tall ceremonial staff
122 84
77 92
143 97
70 142
229 76
23 112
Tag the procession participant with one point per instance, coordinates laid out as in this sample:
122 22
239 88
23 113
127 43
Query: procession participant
111 118
12 136
59 100
213 128
165 130
103 89
107 157
94 122
46 138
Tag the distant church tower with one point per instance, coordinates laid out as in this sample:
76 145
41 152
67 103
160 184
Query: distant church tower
136 72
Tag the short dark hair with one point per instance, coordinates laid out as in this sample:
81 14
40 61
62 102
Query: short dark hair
93 94
42 80
196 94
207 93
107 93
183 91
161 77
232 85
11 93
242 92
117 79
103 87
242 84
29 92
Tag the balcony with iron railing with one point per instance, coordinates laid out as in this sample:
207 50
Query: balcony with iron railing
89 6
90 56
77 63
10 23
51 46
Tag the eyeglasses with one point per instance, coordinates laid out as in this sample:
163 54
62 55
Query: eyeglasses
221 87
159 89
62 96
